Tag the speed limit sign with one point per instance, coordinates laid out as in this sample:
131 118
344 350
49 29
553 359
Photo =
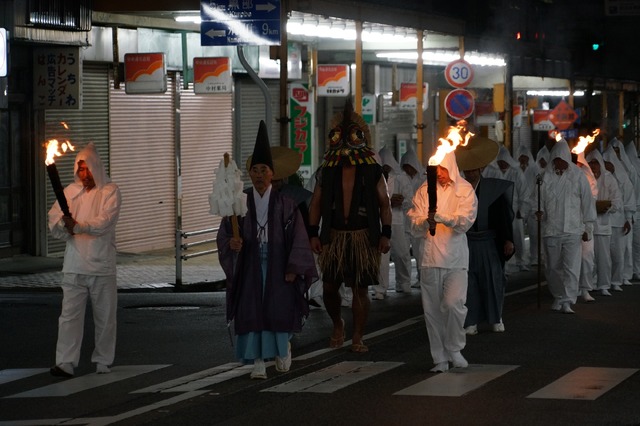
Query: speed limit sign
459 73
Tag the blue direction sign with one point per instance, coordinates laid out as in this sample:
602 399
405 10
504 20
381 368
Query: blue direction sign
240 22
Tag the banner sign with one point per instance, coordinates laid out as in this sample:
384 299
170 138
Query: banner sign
145 73
409 98
333 80
301 111
56 78
212 75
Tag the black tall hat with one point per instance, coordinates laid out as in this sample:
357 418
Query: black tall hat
262 149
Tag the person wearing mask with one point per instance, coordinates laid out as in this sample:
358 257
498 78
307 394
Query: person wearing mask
505 167
609 201
621 220
416 171
490 238
567 214
350 201
89 268
401 193
269 266
444 260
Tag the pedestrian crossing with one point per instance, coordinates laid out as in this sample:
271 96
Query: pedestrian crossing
582 383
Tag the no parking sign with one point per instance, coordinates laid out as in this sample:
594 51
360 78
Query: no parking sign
459 104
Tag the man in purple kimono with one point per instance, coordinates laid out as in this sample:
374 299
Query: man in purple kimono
269 267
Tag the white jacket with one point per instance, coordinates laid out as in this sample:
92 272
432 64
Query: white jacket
456 212
92 250
567 202
607 191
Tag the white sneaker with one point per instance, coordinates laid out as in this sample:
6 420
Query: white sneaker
586 296
472 330
627 282
566 308
440 368
259 369
102 369
605 292
616 287
458 360
284 364
498 327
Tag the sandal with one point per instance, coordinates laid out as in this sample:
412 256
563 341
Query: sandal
359 348
335 343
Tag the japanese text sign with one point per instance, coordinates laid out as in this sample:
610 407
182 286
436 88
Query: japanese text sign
212 75
56 78
145 73
333 80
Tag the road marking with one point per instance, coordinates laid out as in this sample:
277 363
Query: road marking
584 383
93 380
13 374
335 377
201 379
457 381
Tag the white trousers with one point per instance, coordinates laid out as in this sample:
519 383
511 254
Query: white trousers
617 255
383 274
518 242
635 244
532 227
401 254
627 272
444 294
563 256
602 249
103 292
587 265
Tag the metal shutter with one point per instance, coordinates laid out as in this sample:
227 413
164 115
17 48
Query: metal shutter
89 124
143 166
206 129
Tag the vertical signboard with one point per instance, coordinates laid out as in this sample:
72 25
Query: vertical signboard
3 52
369 109
211 75
301 126
56 78
145 73
333 80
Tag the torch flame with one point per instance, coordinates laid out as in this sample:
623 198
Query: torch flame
583 141
53 151
450 143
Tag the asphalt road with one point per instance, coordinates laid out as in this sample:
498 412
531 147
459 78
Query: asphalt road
175 366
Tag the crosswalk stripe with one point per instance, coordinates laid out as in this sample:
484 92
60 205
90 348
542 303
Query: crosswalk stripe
12 374
584 383
82 383
457 381
335 377
200 379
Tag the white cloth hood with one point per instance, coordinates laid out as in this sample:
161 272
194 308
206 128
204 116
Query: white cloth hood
542 154
411 158
92 159
386 158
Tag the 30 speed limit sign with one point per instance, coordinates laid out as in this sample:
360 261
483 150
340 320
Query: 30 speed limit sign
459 73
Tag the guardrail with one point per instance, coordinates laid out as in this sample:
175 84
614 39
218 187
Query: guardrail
182 247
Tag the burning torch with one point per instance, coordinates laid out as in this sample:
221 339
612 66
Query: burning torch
449 144
52 152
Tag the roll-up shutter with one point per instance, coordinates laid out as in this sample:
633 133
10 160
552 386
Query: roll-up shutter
250 110
206 131
143 166
89 124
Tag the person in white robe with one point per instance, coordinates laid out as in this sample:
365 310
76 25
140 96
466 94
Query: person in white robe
415 170
632 154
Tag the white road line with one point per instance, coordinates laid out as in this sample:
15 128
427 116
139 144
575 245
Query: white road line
584 383
457 381
335 377
200 379
13 374
82 383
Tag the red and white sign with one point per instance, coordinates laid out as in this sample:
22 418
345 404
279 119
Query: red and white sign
333 80
211 75
459 73
409 96
563 116
459 104
541 120
145 73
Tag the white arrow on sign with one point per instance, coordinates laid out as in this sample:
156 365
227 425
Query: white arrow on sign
265 7
216 33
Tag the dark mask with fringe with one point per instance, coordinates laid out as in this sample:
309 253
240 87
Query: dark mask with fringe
349 140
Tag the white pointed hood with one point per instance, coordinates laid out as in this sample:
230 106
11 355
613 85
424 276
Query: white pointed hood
90 156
